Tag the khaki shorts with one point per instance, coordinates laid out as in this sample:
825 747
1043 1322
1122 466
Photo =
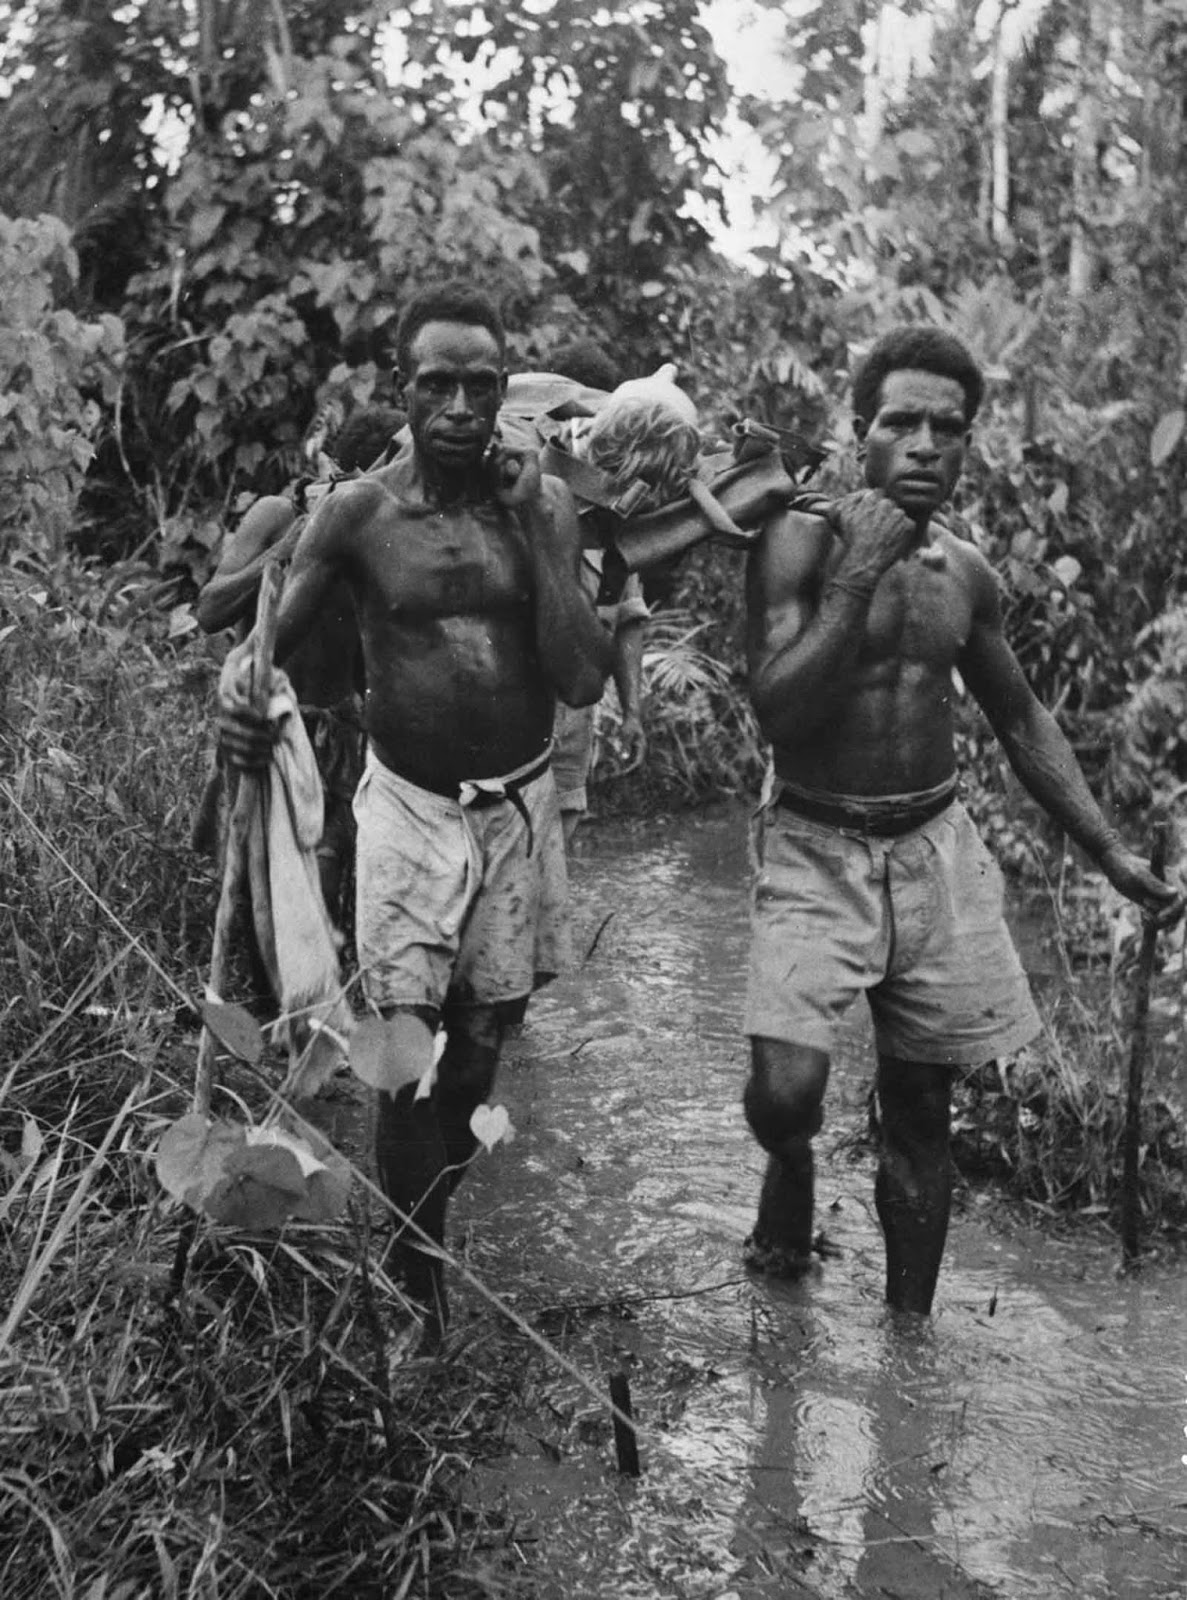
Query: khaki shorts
915 922
465 900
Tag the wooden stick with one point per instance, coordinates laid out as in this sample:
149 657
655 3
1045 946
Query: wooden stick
1131 1147
626 1440
246 798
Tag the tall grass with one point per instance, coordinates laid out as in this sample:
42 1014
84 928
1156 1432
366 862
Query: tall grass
181 1412
1048 1126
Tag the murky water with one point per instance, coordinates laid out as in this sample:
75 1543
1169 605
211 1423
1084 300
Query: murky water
1027 1442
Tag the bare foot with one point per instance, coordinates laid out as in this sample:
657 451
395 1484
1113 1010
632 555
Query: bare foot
760 1254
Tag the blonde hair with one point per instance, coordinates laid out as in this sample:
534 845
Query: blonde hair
644 440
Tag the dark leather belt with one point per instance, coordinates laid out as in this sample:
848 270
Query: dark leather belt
508 787
857 819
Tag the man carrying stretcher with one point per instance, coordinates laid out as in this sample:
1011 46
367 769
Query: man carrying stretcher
461 560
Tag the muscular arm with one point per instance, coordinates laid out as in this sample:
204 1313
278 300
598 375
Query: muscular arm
1040 754
574 649
628 665
803 638
269 530
319 558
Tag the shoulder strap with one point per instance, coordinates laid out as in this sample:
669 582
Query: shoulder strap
590 484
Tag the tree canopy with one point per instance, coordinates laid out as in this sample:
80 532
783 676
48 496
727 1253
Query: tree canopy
251 187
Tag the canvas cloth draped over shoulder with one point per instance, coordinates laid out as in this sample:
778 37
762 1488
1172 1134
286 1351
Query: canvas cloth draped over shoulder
295 934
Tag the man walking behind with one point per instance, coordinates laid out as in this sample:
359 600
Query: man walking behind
462 563
871 877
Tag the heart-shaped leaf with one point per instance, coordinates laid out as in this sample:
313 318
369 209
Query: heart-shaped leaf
248 1201
252 1178
235 1029
326 1193
490 1124
269 1164
388 1052
191 1157
276 1138
328 1189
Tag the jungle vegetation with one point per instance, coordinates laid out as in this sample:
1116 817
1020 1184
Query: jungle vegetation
209 213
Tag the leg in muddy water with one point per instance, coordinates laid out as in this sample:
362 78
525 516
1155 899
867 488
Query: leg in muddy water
465 1077
422 1148
412 1164
913 1188
783 1102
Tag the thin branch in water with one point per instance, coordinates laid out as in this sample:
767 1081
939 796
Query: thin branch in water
602 926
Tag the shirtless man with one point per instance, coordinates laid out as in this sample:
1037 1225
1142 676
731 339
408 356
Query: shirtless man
461 561
326 668
871 877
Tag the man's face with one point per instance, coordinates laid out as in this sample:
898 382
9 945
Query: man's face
915 445
453 390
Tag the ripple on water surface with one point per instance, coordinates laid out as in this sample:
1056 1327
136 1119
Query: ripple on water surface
1026 1443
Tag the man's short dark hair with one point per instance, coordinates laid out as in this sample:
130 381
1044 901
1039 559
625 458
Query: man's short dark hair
923 349
585 362
455 301
364 436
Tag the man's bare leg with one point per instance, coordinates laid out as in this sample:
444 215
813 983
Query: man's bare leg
412 1165
913 1188
422 1148
783 1103
465 1077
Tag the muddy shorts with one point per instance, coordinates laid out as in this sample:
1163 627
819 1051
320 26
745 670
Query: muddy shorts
915 922
466 897
572 754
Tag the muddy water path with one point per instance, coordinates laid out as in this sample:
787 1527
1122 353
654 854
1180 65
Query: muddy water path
1026 1441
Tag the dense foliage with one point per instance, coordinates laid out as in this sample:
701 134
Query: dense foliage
250 190
209 213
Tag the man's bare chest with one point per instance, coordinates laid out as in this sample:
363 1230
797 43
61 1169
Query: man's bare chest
920 614
444 565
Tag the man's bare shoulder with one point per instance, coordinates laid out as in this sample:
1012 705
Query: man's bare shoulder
338 517
265 521
970 564
556 492
802 525
793 545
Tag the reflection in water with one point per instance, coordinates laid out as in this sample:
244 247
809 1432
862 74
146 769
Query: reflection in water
1025 1443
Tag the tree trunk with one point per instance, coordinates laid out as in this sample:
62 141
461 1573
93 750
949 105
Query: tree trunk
1162 109
999 125
874 93
1090 127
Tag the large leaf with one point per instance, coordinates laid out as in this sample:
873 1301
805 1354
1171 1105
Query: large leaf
261 1189
251 1177
326 1192
235 1029
389 1052
192 1155
263 1183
